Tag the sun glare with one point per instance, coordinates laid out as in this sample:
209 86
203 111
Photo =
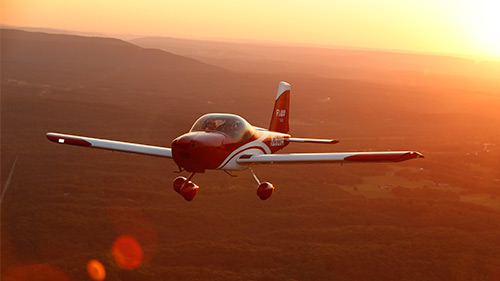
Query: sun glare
465 26
481 22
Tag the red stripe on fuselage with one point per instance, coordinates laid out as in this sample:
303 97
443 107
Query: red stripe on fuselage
240 153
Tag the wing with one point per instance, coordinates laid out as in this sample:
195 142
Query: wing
388 156
110 145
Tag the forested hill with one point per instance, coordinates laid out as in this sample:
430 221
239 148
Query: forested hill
59 59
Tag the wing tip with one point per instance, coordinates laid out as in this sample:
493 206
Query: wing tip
67 139
52 137
419 155
385 157
411 155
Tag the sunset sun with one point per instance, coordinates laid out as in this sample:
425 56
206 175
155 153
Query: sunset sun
481 22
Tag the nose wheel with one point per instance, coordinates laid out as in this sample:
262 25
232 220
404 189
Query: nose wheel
265 189
185 187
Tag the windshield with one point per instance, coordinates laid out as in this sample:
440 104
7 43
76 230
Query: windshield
234 126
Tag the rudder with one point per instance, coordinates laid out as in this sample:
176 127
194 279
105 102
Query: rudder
281 112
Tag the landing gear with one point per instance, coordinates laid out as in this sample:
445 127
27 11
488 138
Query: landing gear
178 182
185 187
265 189
188 189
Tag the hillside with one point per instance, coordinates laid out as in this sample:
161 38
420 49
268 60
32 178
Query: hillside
70 60
329 62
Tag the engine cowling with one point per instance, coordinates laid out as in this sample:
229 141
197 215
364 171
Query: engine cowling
178 182
189 190
265 190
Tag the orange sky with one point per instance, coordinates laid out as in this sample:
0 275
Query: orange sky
442 26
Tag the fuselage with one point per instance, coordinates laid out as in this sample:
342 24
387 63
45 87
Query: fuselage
216 141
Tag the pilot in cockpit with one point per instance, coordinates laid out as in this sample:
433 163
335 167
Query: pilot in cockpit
210 125
233 126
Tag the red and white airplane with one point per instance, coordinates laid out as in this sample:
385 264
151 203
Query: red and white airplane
228 142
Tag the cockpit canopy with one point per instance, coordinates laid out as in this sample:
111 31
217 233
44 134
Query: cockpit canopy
232 125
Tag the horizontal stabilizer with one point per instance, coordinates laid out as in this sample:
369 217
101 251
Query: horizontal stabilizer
388 156
110 145
327 141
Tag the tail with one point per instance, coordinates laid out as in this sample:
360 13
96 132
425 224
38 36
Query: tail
279 119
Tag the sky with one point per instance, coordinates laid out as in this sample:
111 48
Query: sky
437 26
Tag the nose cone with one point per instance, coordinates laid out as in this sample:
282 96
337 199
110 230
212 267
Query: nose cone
198 151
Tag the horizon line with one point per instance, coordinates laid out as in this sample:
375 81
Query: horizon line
129 37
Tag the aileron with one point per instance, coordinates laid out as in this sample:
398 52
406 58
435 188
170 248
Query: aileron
390 156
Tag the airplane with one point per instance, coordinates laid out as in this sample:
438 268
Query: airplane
221 141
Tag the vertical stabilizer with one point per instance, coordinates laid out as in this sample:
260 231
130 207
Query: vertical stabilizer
279 119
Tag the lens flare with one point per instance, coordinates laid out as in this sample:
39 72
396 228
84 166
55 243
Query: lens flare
96 270
36 272
135 224
127 252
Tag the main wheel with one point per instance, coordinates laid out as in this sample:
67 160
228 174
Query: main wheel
189 190
265 190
